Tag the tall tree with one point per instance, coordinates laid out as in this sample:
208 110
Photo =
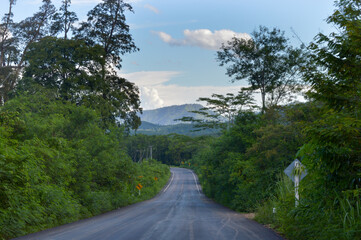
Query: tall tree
70 67
338 55
116 99
106 26
5 35
334 72
73 70
25 33
266 61
64 20
8 52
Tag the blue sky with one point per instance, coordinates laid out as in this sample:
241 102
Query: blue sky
178 40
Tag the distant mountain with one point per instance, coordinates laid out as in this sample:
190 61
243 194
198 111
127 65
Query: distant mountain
167 115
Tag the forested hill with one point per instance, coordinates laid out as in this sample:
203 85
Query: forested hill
180 128
167 115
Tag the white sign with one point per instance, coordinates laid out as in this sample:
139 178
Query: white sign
296 171
290 170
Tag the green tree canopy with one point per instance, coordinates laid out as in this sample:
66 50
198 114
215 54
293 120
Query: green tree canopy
15 39
266 61
74 70
106 26
221 110
63 20
333 149
335 66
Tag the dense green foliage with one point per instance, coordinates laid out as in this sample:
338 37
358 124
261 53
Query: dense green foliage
59 162
58 165
73 70
240 168
243 168
82 69
267 62
64 113
187 129
330 198
172 149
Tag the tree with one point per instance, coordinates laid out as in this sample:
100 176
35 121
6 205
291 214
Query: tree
221 108
116 99
335 67
64 20
74 170
266 61
106 26
5 33
74 70
79 70
24 33
8 53
70 67
334 71
34 28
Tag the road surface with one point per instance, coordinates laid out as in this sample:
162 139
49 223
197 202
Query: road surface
180 211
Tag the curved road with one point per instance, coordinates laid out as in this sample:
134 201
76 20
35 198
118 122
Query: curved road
180 211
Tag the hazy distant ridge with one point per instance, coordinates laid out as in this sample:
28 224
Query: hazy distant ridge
166 115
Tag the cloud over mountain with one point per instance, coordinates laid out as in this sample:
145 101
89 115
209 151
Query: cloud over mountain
150 98
156 91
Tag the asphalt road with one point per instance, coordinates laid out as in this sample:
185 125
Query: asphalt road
180 211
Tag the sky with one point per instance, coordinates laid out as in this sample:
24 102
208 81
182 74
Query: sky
179 39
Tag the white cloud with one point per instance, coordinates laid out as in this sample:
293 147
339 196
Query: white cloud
203 38
176 95
155 92
152 8
148 83
168 38
150 98
150 78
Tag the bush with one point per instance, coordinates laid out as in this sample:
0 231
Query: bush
58 165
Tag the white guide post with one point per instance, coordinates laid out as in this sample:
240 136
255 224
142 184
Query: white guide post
297 182
296 171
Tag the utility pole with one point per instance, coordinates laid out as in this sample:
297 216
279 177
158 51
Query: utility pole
151 152
141 153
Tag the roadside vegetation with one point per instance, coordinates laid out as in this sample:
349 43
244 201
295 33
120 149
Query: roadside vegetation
58 165
243 169
65 116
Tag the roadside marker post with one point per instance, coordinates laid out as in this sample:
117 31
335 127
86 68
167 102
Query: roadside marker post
139 187
297 183
296 171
